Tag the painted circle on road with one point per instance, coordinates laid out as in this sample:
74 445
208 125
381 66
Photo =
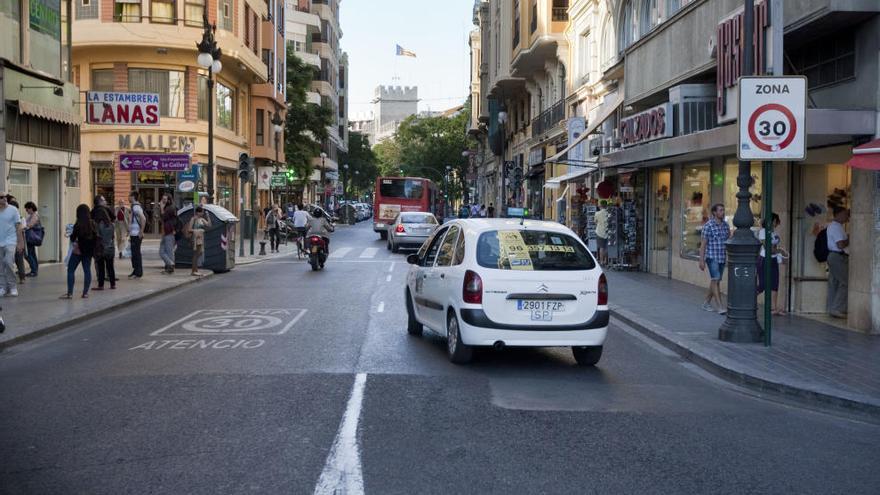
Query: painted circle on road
232 324
776 130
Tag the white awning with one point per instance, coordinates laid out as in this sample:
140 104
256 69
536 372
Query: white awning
555 182
602 117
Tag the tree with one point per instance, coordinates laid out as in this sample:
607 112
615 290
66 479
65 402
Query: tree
388 157
428 145
362 168
306 125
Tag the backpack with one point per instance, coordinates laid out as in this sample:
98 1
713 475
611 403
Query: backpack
820 247
105 236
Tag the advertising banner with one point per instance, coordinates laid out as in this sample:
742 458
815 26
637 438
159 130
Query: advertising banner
167 162
108 108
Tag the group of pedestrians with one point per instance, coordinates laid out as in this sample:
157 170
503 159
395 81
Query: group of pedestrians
476 211
275 218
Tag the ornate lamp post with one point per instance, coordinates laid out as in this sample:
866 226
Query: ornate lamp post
344 180
502 120
323 193
209 58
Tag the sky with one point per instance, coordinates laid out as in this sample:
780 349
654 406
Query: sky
436 30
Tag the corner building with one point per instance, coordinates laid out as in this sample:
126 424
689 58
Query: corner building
150 46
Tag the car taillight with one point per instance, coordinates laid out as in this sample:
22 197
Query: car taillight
472 291
603 290
400 228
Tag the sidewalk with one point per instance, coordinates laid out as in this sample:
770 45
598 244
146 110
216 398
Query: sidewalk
808 360
38 311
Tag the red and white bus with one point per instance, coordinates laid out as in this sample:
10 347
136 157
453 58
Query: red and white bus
396 194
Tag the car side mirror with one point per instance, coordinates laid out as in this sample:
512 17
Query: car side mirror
413 259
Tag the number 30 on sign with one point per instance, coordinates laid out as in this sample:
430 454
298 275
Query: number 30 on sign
772 113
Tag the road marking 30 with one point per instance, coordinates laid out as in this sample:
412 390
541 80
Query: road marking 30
342 471
233 322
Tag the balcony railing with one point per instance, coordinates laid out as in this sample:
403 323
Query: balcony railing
547 119
560 14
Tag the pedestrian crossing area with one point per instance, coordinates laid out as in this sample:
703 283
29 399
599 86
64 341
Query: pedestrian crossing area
348 253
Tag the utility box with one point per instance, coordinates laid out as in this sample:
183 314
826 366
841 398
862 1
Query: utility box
219 240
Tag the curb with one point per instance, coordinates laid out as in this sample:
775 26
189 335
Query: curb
657 333
41 332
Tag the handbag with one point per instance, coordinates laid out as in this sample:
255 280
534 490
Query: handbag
34 235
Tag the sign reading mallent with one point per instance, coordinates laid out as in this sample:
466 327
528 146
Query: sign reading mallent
108 108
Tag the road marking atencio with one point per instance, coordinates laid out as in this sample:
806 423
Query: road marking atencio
342 471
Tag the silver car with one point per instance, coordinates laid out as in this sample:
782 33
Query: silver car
411 229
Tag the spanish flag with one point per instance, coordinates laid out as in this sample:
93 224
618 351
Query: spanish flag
403 52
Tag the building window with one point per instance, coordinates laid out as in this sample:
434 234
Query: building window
584 56
169 84
628 32
10 30
560 11
609 51
247 25
653 14
696 202
256 41
203 98
127 11
225 106
260 127
86 9
226 188
826 61
341 107
102 180
163 11
193 11
102 80
226 15
515 23
20 185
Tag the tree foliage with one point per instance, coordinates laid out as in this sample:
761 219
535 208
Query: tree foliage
362 167
388 158
306 123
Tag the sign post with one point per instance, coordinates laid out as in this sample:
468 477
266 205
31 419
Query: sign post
772 127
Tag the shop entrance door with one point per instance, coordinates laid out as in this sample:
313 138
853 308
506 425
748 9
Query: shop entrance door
49 195
660 219
149 198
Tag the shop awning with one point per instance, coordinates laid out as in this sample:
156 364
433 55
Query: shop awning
555 182
602 117
48 113
866 156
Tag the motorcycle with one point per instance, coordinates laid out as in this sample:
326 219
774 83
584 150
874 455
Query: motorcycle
317 252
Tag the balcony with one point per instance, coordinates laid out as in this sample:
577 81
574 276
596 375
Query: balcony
548 119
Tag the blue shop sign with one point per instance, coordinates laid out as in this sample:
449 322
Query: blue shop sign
191 175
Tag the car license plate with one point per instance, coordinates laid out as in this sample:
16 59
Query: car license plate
540 310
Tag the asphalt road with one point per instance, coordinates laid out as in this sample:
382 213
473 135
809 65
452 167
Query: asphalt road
274 379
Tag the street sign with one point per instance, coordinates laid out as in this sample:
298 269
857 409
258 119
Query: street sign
160 162
109 108
191 175
278 181
772 124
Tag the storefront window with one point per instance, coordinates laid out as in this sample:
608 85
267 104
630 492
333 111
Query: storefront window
10 30
695 201
225 188
102 178
661 207
45 36
731 170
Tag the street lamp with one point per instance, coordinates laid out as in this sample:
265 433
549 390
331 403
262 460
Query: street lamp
344 180
502 120
446 191
209 58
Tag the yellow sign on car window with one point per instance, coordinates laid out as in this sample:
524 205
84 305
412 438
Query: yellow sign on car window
514 250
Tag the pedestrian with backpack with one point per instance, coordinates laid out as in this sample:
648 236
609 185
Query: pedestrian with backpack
838 263
136 235
170 232
105 248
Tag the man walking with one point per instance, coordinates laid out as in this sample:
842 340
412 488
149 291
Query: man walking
136 235
123 220
838 264
272 219
713 254
169 232
11 242
601 218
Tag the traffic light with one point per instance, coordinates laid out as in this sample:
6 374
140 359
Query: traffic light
518 175
290 175
244 166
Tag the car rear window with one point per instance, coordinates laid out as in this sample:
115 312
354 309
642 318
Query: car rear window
532 250
417 218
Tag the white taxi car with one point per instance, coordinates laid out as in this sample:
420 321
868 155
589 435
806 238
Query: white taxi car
507 282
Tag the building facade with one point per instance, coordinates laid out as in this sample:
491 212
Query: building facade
676 63
107 58
40 116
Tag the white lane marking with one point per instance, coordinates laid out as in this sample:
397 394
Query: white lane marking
342 470
381 307
388 278
369 253
340 253
391 268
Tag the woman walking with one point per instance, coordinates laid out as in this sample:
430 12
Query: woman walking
198 224
777 256
84 238
104 256
33 231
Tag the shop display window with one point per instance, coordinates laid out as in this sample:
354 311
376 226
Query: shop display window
731 170
696 202
662 204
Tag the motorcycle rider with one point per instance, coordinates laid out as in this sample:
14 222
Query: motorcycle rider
320 225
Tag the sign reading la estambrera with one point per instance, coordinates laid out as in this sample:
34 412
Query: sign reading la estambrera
108 108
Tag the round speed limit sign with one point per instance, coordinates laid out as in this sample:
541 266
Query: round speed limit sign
771 118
